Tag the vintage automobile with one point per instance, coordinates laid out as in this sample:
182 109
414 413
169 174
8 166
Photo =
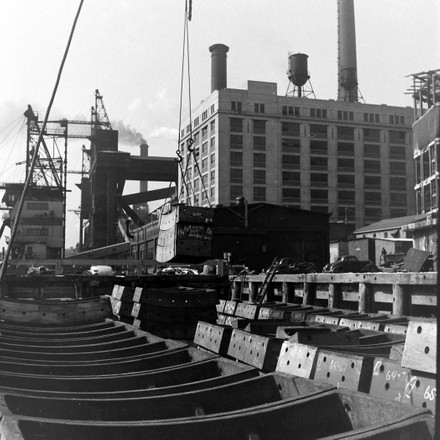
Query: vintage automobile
350 263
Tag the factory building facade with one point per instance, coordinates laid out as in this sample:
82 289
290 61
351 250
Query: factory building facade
349 159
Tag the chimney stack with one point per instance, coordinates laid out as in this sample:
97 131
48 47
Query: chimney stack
347 65
218 66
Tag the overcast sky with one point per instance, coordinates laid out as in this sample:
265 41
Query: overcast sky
131 51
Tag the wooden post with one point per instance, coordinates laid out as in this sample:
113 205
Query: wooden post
366 298
253 291
288 292
334 296
309 293
401 301
236 287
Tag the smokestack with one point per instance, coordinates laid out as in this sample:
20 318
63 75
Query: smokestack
347 65
218 66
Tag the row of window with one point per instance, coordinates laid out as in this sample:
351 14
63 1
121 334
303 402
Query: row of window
196 121
293 129
293 178
293 195
343 115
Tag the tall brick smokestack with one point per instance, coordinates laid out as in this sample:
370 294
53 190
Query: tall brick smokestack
218 66
347 64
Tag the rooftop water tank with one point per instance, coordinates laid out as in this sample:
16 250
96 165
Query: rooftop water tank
298 73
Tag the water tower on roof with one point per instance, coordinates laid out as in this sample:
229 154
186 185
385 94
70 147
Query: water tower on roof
298 75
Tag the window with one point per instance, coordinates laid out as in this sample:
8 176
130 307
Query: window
289 110
259 143
346 196
372 134
212 109
397 137
236 175
289 162
236 158
318 163
318 130
397 120
259 107
291 195
372 181
236 141
372 150
204 148
291 178
372 166
373 214
397 167
205 115
318 113
290 129
398 198
345 149
319 179
212 175
397 152
212 125
212 192
371 117
318 147
319 195
260 176
212 159
398 183
259 127
373 198
260 160
346 180
346 164
213 142
196 183
345 115
204 132
235 191
236 106
236 125
205 164
259 193
196 122
345 133
290 145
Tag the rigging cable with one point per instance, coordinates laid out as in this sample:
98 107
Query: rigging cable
40 138
190 142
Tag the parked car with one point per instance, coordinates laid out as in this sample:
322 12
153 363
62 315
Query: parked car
100 269
350 263
39 270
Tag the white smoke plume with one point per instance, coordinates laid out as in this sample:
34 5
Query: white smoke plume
128 135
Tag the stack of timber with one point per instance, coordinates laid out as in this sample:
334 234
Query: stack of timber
389 357
171 312
109 380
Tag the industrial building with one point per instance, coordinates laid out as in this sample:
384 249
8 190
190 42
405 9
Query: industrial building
40 231
343 157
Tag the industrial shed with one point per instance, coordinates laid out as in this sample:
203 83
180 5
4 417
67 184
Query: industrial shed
253 234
